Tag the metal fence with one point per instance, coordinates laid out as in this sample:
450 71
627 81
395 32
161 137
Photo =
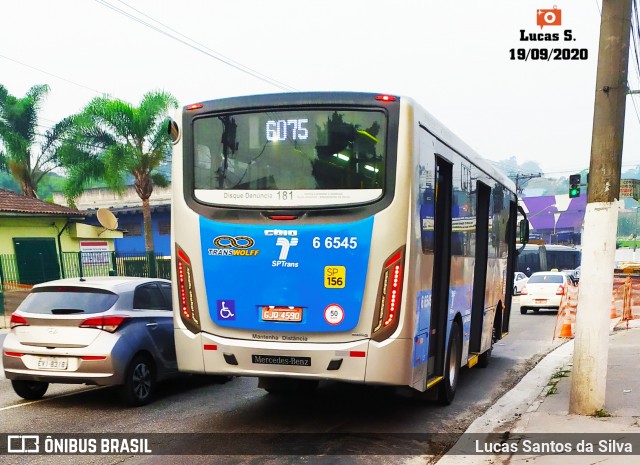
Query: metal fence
17 270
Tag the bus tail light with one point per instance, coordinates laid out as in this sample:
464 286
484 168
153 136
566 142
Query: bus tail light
186 292
386 98
387 312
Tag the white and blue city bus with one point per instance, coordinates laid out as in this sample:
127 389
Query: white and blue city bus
336 236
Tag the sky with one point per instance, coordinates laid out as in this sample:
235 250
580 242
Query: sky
452 56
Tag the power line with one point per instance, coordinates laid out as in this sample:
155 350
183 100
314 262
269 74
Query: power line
55 76
198 46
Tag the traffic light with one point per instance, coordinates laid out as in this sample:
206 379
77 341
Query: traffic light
574 186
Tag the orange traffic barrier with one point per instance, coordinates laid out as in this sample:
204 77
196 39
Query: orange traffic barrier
566 318
613 313
625 304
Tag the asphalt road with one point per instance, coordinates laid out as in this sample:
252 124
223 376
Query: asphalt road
379 418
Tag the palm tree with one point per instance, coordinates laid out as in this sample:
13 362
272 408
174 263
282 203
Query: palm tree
114 139
28 155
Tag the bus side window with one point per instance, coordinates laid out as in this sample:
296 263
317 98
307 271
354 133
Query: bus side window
427 223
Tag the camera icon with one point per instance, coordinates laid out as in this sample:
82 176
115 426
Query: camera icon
551 17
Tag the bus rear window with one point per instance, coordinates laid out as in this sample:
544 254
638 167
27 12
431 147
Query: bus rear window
296 157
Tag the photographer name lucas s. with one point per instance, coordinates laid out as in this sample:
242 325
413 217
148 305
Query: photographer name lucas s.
525 36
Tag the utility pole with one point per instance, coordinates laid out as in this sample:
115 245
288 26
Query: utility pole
521 179
591 349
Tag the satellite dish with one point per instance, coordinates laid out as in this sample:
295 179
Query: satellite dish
107 219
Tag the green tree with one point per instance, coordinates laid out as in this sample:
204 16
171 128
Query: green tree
25 154
113 139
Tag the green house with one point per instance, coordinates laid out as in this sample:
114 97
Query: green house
37 238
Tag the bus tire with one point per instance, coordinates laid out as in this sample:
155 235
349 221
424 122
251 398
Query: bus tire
449 383
30 390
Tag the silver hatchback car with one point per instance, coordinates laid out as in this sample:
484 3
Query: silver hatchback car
101 331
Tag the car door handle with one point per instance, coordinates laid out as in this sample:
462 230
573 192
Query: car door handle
153 324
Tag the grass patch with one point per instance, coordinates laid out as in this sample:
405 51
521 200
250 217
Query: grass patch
553 382
602 413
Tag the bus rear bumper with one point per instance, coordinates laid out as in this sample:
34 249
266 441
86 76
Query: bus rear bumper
360 361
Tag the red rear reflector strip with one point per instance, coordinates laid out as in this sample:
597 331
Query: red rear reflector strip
183 256
395 258
386 98
210 347
93 357
357 353
195 106
13 354
283 217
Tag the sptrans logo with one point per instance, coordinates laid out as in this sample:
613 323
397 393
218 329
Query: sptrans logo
285 239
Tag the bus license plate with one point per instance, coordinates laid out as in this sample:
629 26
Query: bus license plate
290 314
52 363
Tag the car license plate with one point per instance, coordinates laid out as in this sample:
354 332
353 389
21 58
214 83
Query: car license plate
541 301
289 314
52 363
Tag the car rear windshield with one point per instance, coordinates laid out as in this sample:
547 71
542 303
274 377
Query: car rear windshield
64 300
290 157
545 278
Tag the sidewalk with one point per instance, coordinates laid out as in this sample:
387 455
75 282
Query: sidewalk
540 404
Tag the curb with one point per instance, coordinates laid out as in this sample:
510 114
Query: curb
511 406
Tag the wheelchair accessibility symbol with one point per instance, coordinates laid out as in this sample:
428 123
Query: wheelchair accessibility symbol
226 309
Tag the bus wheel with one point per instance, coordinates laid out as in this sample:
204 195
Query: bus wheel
447 387
287 386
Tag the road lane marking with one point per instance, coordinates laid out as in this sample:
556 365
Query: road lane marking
58 396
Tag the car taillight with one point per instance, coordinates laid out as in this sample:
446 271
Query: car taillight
560 290
186 292
524 290
387 311
105 323
14 354
17 320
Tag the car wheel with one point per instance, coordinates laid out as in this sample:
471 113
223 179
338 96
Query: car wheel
447 387
30 390
139 382
523 310
515 290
